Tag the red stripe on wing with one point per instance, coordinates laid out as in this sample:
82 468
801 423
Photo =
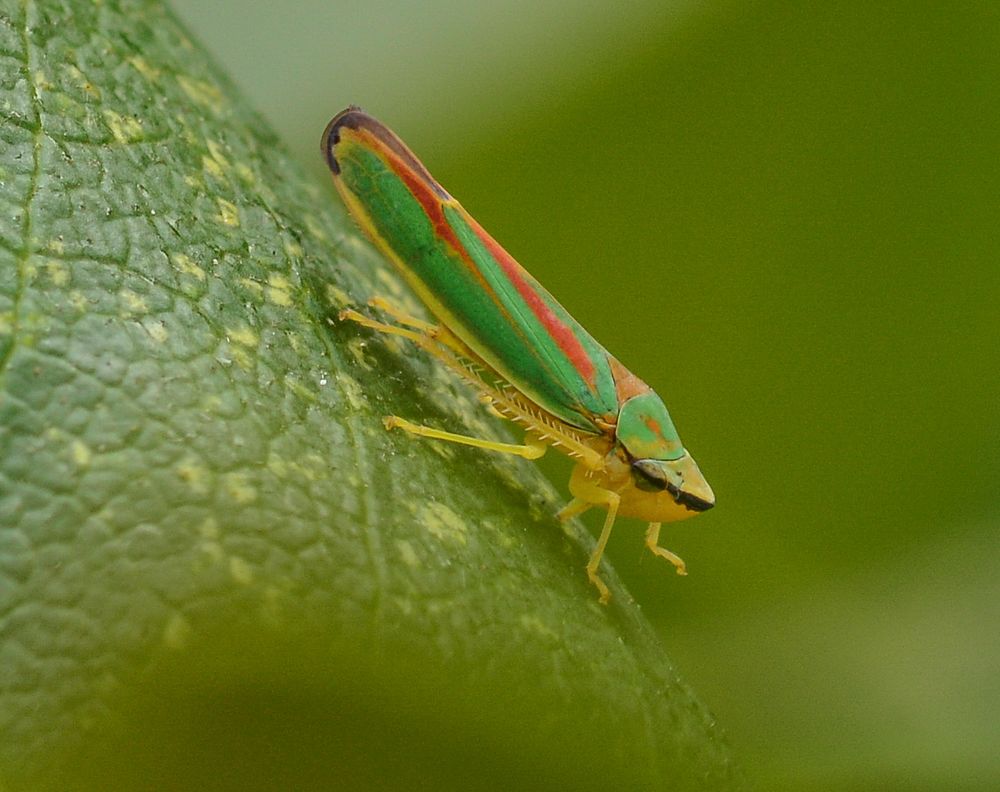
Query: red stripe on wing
556 328
428 194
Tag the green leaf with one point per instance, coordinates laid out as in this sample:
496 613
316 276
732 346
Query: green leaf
217 570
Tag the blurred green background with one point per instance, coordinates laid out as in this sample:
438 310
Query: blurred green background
785 218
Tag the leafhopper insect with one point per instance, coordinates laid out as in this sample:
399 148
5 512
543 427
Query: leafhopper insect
501 332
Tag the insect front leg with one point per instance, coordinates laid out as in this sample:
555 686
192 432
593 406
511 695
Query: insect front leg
574 508
397 313
611 501
435 332
586 494
652 542
350 315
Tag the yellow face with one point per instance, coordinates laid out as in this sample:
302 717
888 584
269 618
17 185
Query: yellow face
651 490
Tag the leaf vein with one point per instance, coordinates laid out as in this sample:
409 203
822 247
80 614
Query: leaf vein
26 220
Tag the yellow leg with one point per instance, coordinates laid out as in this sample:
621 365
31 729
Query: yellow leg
573 509
435 340
382 327
652 542
532 448
401 316
463 361
586 495
611 502
436 332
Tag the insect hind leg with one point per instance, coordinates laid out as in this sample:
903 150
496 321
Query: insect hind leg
532 448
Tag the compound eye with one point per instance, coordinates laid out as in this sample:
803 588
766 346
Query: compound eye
648 475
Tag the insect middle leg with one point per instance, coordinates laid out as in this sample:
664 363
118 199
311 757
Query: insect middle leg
594 495
443 345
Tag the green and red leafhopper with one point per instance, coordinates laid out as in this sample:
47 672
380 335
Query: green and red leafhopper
507 337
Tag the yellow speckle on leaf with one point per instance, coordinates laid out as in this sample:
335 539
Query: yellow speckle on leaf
215 161
408 554
351 389
251 284
228 213
442 523
124 129
81 80
293 249
240 571
57 271
391 283
444 450
194 474
56 246
210 165
133 303
241 357
536 625
405 605
295 386
140 65
309 467
187 266
177 632
239 488
315 229
212 549
81 453
157 330
506 541
245 172
211 403
337 297
314 467
356 347
78 300
243 335
279 289
277 465
67 106
200 91
209 528
41 81
215 150
55 434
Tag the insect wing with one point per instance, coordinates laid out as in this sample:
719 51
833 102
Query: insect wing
466 278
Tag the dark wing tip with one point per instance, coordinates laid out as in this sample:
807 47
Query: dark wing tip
352 117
